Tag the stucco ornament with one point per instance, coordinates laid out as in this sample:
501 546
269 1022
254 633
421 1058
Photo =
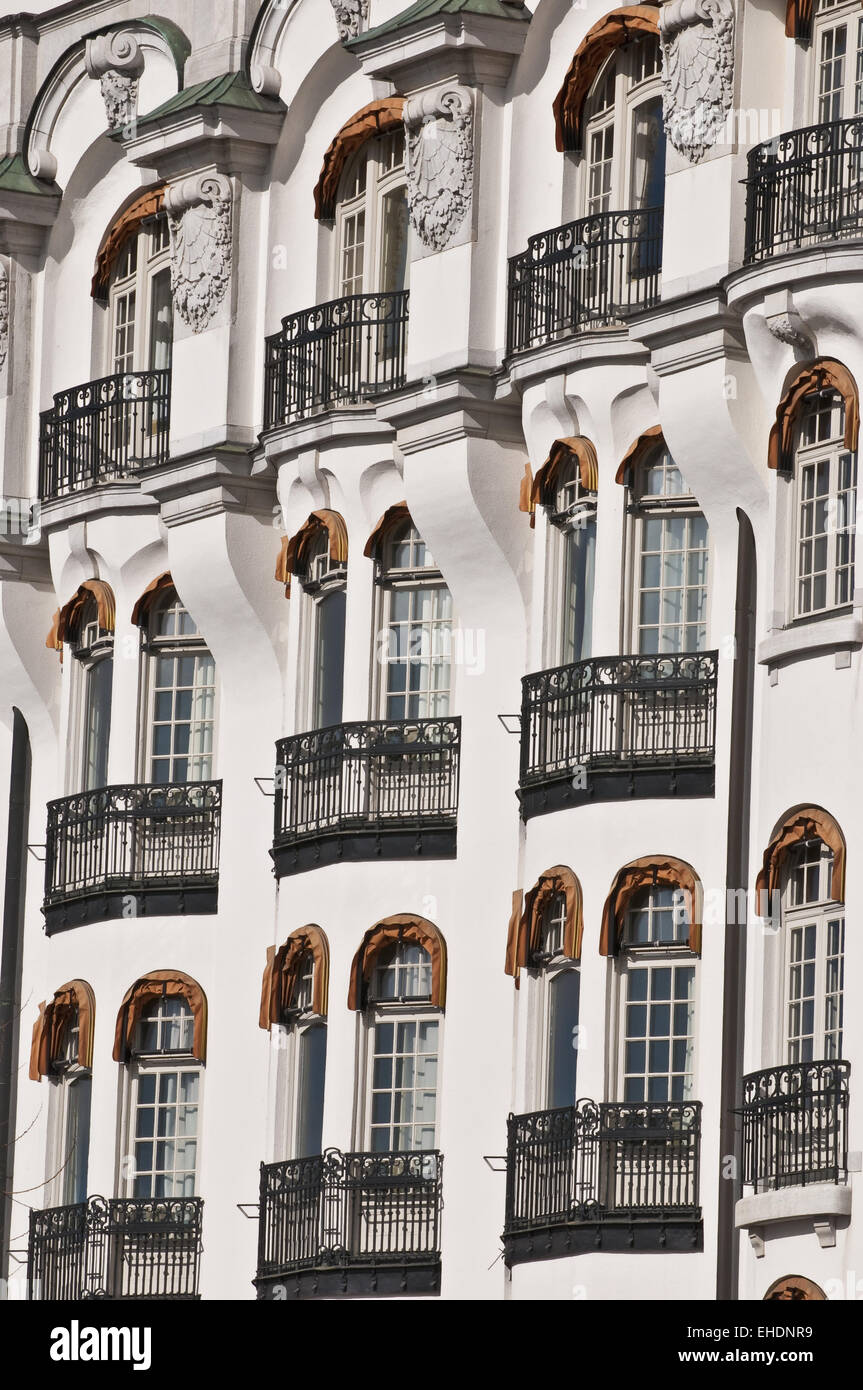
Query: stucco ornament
4 315
697 39
789 328
349 14
199 223
116 59
439 162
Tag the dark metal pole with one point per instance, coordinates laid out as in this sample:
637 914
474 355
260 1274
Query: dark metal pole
736 876
10 967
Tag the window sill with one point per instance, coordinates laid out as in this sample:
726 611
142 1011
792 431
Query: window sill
805 639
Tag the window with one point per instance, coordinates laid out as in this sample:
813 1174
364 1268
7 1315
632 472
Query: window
657 1061
814 938
139 298
669 559
838 66
182 697
305 1060
94 653
572 563
416 675
624 133
70 1106
826 508
165 1101
372 219
324 582
558 985
403 1052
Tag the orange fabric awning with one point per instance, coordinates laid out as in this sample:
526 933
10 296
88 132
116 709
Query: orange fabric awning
806 823
293 552
798 19
171 983
525 925
821 375
576 449
373 119
637 451
402 927
153 591
51 1023
651 870
282 967
146 204
393 515
70 613
628 22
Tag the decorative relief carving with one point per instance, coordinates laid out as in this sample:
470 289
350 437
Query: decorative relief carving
697 39
199 222
116 59
789 328
349 15
439 162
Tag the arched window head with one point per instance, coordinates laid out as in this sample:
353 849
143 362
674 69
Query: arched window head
372 218
813 924
669 558
825 512
166 1025
93 647
415 652
182 694
139 300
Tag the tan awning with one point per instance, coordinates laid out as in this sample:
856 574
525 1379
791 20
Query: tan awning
806 823
402 927
819 376
282 967
652 870
153 591
637 451
146 204
168 983
393 516
373 119
608 33
525 926
52 1021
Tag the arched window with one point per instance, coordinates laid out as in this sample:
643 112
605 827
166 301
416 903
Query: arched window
322 571
415 646
62 1050
139 300
558 991
825 508
668 557
403 1053
566 485
94 653
181 694
837 47
372 218
658 976
813 931
294 1002
624 135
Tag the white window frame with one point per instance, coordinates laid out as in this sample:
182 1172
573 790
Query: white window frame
295 1022
92 646
574 509
142 1064
321 578
390 580
378 158
631 90
832 451
546 969
668 506
819 913
152 257
66 1072
828 18
152 646
650 957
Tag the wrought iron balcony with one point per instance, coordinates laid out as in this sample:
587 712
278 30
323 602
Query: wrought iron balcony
129 851
795 1125
385 788
120 1247
104 432
613 1176
805 188
593 273
353 1223
617 727
341 353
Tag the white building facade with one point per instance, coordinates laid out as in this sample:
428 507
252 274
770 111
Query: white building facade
430 649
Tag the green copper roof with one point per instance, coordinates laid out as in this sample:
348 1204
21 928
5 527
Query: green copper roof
15 177
427 9
231 89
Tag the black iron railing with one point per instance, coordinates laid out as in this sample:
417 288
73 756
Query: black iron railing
103 432
341 353
795 1125
384 774
588 274
342 1209
805 188
618 712
121 1247
597 1163
132 837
